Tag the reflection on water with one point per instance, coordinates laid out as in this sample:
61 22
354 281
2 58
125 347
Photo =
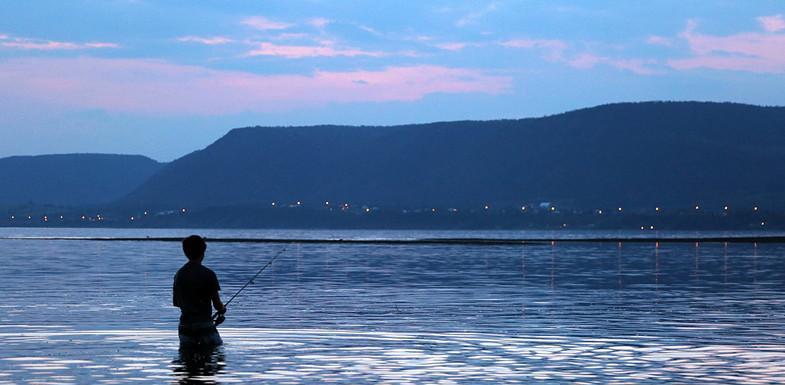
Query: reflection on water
317 356
198 366
81 312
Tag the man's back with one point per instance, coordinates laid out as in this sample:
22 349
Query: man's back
194 288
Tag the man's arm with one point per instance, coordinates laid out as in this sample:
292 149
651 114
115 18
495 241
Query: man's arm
217 304
216 298
220 307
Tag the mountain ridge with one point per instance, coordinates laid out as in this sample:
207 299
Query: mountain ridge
71 179
613 154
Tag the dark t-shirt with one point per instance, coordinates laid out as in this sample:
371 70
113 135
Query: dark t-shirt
194 287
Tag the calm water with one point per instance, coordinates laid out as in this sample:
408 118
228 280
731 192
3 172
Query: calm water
99 312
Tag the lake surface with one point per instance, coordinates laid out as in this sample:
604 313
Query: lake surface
100 312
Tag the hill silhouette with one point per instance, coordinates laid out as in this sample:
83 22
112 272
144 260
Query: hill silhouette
629 154
71 179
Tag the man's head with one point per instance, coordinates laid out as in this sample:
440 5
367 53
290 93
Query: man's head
194 247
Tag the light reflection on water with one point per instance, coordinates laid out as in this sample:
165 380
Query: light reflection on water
313 356
92 312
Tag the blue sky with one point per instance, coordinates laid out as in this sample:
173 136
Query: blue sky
165 78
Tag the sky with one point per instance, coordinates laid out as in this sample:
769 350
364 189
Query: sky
164 78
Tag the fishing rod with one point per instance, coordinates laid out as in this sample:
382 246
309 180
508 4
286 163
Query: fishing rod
219 316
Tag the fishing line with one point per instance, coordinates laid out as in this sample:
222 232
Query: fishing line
250 281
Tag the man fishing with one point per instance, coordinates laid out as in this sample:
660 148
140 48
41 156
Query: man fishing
195 289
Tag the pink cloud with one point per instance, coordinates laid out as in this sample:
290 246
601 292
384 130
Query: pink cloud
774 23
303 51
588 60
555 48
319 22
144 86
659 40
290 36
727 63
474 16
585 60
555 52
215 40
752 52
637 66
50 45
368 29
263 24
455 46
422 38
101 45
408 53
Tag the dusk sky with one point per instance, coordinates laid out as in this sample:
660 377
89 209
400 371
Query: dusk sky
165 78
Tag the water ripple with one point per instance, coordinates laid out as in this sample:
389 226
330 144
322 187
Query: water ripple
302 356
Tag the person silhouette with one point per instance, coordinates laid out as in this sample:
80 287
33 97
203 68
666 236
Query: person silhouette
196 288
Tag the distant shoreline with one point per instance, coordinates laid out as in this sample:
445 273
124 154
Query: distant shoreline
436 241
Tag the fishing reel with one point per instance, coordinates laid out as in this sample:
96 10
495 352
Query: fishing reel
218 317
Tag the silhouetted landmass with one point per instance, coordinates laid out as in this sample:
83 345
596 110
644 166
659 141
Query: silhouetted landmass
568 171
634 155
71 179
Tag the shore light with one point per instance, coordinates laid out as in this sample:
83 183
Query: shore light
725 208
763 223
13 217
599 211
145 213
651 227
755 208
523 208
326 203
46 218
183 210
553 208
61 217
368 210
432 210
486 207
132 219
697 207
619 209
272 204
657 209
299 203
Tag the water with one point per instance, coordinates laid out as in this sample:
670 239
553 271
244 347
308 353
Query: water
100 312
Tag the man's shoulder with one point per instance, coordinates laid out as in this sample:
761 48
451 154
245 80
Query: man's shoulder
186 267
204 271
